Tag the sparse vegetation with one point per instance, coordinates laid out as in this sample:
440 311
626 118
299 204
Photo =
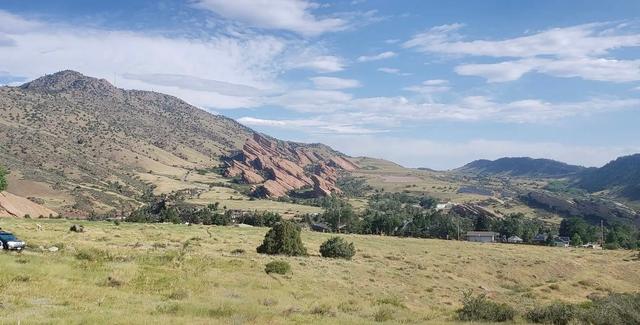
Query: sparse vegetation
172 270
557 313
479 308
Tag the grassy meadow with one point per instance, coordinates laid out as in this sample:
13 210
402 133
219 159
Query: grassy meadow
161 273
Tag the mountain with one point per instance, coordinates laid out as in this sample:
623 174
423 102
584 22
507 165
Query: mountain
82 144
521 166
620 177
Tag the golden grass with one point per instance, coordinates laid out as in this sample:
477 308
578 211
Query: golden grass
143 273
232 199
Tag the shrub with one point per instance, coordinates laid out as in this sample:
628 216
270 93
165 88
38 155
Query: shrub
323 310
479 308
238 252
615 309
557 313
3 178
278 267
94 255
384 314
283 238
337 247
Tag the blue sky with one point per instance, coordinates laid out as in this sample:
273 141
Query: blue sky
423 83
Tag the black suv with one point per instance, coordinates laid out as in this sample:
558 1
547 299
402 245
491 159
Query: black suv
10 242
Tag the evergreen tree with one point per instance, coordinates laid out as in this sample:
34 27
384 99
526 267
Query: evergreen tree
283 238
3 178
576 240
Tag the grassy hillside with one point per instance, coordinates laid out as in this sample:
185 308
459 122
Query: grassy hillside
78 144
521 166
620 177
136 273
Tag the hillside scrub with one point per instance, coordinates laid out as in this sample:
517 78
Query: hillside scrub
479 308
3 178
278 267
283 239
336 247
557 313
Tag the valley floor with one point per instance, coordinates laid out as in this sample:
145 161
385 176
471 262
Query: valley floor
174 274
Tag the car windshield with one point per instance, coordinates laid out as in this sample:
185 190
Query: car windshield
8 237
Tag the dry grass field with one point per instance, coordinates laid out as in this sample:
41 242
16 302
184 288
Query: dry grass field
178 274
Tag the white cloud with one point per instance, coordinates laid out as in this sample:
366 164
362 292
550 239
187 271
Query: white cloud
444 155
315 101
313 126
393 71
219 72
587 68
430 87
381 56
576 51
400 110
290 15
319 63
332 83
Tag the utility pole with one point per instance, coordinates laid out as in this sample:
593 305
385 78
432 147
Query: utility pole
602 233
458 226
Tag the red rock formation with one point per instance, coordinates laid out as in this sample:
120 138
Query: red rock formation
277 167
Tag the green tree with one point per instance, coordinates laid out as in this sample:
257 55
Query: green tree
3 178
576 240
283 238
336 247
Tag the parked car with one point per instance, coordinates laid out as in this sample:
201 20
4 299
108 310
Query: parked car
10 242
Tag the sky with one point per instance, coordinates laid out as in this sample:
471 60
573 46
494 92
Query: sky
432 84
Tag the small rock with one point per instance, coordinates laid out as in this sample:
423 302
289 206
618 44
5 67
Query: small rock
53 249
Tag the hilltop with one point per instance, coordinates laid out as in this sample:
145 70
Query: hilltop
620 177
78 144
522 167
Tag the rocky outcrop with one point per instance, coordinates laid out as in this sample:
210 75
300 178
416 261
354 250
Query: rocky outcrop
474 210
277 167
589 208
16 206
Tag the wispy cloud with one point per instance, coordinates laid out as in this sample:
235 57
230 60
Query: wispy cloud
376 57
393 71
430 87
333 83
313 126
246 67
291 15
576 51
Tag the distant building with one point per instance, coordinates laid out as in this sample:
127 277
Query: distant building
482 236
561 241
515 240
540 238
320 227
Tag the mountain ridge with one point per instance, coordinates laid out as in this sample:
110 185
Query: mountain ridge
102 146
521 166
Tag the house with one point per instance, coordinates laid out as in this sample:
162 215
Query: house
540 238
482 236
561 242
515 240
320 227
